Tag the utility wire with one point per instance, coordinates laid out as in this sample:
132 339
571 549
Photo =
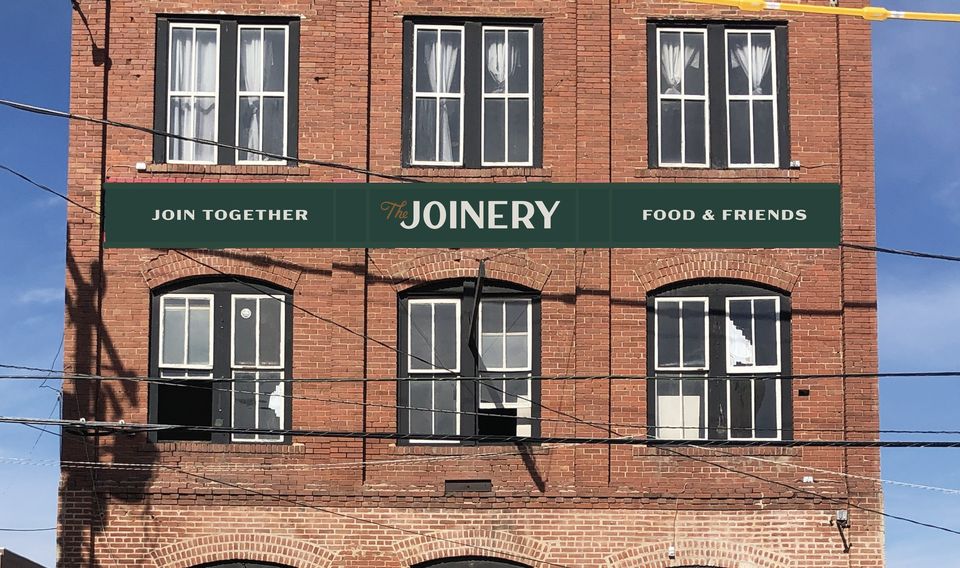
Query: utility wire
28 530
902 252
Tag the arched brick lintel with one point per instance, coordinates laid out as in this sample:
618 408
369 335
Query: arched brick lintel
171 266
509 267
254 547
488 543
719 553
749 267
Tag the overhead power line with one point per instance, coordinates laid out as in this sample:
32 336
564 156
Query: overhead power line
870 13
902 252
28 530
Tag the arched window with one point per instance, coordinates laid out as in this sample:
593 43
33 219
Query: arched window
470 562
447 336
225 348
736 334
242 564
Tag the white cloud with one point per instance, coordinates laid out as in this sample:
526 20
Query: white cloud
41 296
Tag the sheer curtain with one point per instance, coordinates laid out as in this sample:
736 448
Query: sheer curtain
449 108
500 63
757 60
251 52
672 65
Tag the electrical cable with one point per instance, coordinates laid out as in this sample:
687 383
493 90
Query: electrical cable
869 13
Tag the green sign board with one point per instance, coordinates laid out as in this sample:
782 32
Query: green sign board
429 215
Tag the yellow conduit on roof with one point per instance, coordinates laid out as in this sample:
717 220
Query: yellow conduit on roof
872 13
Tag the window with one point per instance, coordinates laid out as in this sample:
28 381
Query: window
468 371
717 95
472 93
226 355
718 350
231 80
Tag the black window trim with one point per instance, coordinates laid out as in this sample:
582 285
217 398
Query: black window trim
222 291
472 89
716 89
718 291
464 290
226 129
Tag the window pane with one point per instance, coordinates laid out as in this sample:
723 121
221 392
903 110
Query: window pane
198 347
517 316
518 80
741 409
519 124
491 391
207 61
181 59
493 134
740 132
421 344
680 409
740 334
668 334
694 340
251 60
446 337
766 394
244 330
694 408
516 388
765 322
274 60
273 126
517 352
491 351
449 130
445 398
270 331
763 143
492 314
426 61
695 126
180 123
671 63
421 396
450 61
761 64
244 400
495 72
270 408
425 130
693 63
248 133
174 320
738 63
205 129
670 125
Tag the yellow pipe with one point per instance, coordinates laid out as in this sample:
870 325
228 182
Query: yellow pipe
871 13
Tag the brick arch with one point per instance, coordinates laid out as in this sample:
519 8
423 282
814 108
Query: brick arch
248 546
170 266
510 267
489 543
699 552
752 267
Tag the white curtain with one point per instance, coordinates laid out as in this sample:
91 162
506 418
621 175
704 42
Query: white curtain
251 51
672 65
500 63
449 64
739 348
756 59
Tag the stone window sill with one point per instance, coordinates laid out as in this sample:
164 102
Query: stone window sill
217 169
458 173
228 448
699 174
718 452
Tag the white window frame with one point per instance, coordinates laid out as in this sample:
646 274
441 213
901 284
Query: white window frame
753 409
193 94
256 438
727 322
706 333
433 334
437 96
261 94
523 404
233 332
750 97
186 332
433 411
683 428
683 97
506 96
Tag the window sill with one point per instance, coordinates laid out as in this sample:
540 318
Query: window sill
680 174
467 451
494 172
218 169
229 448
717 451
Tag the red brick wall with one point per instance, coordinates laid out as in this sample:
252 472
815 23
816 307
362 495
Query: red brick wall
616 506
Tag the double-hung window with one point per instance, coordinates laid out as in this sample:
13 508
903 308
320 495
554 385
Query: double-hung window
224 357
717 95
718 351
228 80
472 93
467 366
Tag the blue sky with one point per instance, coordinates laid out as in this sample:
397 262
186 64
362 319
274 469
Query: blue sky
917 110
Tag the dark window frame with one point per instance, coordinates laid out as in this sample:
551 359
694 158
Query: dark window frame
716 89
227 93
471 150
221 390
464 290
718 292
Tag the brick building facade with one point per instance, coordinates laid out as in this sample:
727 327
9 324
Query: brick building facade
587 91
